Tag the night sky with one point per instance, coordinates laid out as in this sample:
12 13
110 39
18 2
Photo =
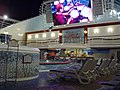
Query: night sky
20 9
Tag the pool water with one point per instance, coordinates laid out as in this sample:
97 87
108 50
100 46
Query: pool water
54 66
51 61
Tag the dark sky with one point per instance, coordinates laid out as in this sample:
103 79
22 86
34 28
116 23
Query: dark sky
20 9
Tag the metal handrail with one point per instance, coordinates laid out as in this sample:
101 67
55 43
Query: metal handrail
102 40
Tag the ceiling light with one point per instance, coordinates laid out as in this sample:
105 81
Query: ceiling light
44 35
29 36
5 32
60 34
85 32
5 17
96 31
52 34
20 34
36 36
110 30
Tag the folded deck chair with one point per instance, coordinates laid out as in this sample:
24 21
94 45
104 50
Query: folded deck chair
110 85
92 69
106 88
82 73
102 69
112 68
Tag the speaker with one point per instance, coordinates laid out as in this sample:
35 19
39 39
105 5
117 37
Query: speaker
97 7
49 16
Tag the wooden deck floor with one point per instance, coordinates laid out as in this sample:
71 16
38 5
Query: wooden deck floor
72 84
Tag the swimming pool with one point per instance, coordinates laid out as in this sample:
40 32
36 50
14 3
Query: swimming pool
51 65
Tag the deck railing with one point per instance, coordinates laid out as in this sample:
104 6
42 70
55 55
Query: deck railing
109 40
101 41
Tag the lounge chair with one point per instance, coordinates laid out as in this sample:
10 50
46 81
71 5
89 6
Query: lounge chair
110 85
112 68
102 69
82 73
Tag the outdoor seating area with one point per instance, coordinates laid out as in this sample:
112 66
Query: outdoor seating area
113 84
87 72
66 45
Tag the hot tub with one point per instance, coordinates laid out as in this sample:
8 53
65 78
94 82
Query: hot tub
12 65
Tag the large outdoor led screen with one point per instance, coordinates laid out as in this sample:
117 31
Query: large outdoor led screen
71 11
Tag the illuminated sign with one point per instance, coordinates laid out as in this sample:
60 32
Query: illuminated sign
73 36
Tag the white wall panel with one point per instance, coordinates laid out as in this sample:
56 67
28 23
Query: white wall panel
103 30
33 24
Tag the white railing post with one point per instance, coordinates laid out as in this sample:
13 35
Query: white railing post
92 40
102 41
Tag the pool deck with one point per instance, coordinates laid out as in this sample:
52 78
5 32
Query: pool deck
68 84
44 83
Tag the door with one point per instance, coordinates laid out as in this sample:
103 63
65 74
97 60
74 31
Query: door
118 56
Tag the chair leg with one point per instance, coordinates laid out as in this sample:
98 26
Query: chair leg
88 78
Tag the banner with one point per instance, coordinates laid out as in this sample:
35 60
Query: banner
73 36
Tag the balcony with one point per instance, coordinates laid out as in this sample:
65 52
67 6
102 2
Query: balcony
42 43
109 41
54 43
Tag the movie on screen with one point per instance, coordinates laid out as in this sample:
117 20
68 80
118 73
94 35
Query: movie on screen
71 11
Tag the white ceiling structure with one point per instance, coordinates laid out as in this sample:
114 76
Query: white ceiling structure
6 22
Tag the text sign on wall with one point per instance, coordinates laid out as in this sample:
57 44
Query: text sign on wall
73 36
